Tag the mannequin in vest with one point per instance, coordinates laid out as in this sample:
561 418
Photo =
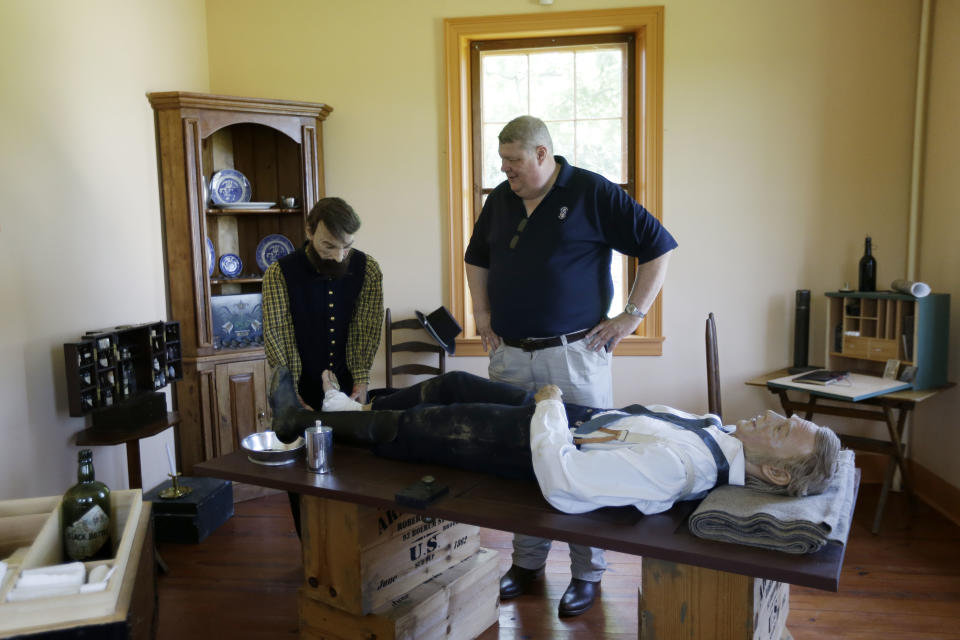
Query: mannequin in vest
650 457
323 309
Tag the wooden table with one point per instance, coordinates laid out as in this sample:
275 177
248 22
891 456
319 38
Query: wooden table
892 409
710 577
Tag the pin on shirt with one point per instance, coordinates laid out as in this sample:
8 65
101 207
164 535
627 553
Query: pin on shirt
563 214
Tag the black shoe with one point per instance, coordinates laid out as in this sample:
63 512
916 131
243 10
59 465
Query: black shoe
578 597
517 581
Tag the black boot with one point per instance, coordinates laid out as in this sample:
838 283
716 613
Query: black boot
518 581
578 597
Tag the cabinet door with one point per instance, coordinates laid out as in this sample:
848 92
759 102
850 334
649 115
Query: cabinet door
241 402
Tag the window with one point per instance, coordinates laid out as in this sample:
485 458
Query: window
580 87
559 65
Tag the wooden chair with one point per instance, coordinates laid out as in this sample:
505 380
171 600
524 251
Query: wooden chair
416 346
713 368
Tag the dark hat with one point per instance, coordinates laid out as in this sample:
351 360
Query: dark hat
442 326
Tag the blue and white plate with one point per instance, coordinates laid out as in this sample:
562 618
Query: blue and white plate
272 248
229 186
230 265
211 256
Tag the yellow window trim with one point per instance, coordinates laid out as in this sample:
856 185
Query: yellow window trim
646 23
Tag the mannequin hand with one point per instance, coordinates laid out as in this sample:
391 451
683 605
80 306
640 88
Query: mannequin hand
359 392
548 392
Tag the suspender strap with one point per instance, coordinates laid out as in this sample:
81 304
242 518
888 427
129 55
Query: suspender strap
695 425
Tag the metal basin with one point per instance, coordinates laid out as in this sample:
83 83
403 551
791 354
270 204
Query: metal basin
264 447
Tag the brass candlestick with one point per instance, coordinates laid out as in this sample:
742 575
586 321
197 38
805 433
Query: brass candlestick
175 490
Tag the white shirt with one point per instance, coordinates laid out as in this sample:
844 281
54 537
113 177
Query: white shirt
651 475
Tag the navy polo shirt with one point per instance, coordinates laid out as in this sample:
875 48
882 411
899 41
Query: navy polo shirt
555 279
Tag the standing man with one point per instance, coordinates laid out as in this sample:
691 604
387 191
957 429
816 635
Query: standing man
323 309
538 268
323 306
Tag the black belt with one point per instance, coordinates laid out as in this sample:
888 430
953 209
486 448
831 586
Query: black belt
535 344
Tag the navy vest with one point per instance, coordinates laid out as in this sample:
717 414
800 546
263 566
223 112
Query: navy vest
321 308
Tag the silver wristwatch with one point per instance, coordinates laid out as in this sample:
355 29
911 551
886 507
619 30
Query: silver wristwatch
631 309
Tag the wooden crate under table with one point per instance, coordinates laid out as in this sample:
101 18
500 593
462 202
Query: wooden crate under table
358 558
459 603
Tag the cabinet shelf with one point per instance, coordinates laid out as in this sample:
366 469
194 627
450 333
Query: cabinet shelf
239 280
253 212
889 326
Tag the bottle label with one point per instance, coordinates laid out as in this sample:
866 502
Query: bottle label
84 537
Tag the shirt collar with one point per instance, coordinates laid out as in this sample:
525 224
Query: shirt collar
566 172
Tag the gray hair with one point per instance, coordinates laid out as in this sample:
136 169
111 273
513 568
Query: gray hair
530 132
336 215
809 474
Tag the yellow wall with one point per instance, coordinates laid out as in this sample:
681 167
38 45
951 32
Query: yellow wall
936 436
787 138
80 235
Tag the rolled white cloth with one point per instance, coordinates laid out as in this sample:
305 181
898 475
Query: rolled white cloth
915 289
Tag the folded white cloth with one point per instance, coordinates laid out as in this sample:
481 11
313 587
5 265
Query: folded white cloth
73 573
336 400
59 580
781 523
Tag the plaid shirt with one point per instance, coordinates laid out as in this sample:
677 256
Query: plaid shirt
363 336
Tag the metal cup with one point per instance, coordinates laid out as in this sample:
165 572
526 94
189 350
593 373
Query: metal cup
319 441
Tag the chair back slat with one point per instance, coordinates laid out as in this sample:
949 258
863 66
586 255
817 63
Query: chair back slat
713 368
410 346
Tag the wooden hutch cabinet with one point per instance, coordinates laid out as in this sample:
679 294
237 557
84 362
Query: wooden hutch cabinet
277 145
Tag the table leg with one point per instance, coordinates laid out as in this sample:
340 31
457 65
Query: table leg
684 601
134 479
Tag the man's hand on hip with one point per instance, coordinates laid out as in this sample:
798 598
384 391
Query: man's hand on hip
488 338
612 330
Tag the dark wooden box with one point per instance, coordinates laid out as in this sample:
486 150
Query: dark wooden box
194 516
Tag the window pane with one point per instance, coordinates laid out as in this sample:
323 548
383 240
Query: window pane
600 83
552 90
492 176
564 140
505 87
600 148
618 271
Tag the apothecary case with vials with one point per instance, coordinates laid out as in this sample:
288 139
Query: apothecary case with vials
277 145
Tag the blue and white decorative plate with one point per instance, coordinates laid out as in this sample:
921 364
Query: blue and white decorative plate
228 186
272 248
211 255
230 265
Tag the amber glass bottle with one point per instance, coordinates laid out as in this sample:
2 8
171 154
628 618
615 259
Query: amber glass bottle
85 515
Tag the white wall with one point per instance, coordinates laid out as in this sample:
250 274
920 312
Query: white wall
80 234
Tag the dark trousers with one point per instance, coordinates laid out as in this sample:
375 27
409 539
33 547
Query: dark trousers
456 419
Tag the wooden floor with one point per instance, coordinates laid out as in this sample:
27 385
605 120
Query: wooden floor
241 582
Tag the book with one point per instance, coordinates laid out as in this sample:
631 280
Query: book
821 376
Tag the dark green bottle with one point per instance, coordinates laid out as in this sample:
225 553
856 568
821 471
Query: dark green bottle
85 515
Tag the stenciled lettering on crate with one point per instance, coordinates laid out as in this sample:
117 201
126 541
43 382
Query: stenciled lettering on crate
459 603
357 558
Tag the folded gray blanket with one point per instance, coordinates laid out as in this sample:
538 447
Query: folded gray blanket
782 523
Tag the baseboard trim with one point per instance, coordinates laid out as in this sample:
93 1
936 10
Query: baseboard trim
928 486
936 492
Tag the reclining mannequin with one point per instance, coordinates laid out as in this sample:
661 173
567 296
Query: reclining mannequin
583 458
